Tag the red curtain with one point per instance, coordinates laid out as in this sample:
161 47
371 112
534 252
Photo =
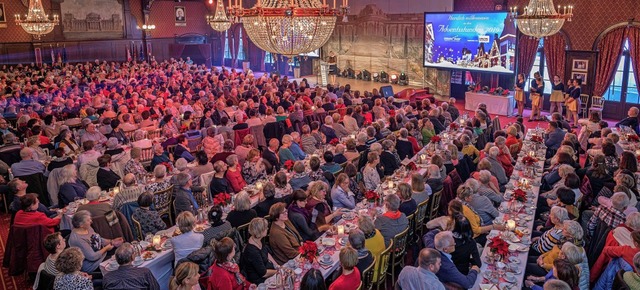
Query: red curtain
235 34
205 50
634 50
527 48
175 50
554 51
609 49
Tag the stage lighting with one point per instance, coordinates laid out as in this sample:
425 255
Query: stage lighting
384 77
376 77
394 79
403 80
366 75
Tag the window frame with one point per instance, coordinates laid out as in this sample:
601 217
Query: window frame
624 62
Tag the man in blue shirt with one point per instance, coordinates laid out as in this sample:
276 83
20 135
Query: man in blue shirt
422 277
295 146
448 273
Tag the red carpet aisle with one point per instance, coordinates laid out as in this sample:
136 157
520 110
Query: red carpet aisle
9 282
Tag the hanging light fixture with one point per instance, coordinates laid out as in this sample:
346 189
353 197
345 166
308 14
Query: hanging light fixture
219 21
289 27
36 22
540 18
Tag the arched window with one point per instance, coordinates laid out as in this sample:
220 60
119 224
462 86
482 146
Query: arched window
241 47
227 52
539 65
623 87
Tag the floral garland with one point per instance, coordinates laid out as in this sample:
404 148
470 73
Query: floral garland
536 139
436 139
529 161
334 141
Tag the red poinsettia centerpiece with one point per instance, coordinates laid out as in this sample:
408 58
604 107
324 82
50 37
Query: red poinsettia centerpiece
529 161
288 165
168 165
505 92
308 250
371 196
519 195
334 141
499 246
222 199
537 139
436 139
633 138
454 126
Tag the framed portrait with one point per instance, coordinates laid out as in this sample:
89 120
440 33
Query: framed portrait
3 15
180 15
580 65
580 75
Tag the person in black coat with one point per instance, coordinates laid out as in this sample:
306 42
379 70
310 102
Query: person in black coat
219 184
269 192
271 154
107 179
466 251
403 146
631 120
218 113
437 125
387 159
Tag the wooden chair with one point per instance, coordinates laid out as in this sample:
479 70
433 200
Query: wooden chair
146 155
421 215
171 149
360 286
584 104
434 205
411 229
138 229
381 267
597 104
398 252
243 230
367 275
162 201
154 133
129 134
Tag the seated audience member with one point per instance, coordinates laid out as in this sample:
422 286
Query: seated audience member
183 196
54 244
219 227
388 159
313 279
186 277
341 196
350 277
284 154
129 192
553 236
219 183
423 276
188 241
254 168
255 260
182 149
365 257
339 156
234 174
300 179
160 156
318 206
134 166
408 205
612 216
370 173
269 193
95 207
150 221
301 217
420 191
329 165
59 160
392 222
69 264
30 216
27 165
242 212
160 181
94 248
283 188
632 278
128 276
225 272
107 179
434 181
18 188
481 205
448 273
284 239
71 188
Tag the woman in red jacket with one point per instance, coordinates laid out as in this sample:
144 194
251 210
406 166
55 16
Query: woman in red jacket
30 216
234 174
225 274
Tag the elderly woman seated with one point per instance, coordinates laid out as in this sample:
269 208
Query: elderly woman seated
300 179
255 260
93 247
284 238
572 233
134 166
30 216
95 207
188 241
150 221
160 181
69 263
184 200
481 205
71 188
551 237
632 278
253 168
242 212
283 188
269 199
160 156
219 227
301 217
612 216
234 174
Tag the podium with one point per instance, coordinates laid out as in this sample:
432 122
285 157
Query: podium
323 77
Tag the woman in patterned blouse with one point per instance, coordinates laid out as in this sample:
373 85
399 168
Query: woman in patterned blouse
69 263
160 181
253 169
150 221
134 166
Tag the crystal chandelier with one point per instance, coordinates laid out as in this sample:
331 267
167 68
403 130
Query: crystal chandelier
289 27
219 21
540 18
36 22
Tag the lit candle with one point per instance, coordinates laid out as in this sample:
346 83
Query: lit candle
390 184
352 136
532 153
511 225
461 122
116 190
424 157
638 152
229 4
340 230
156 241
259 185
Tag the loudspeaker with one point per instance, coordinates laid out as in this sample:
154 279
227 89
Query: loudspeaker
386 91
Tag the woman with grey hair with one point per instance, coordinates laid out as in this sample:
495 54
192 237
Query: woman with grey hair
183 196
69 264
70 187
234 174
573 234
134 166
357 242
160 181
95 207
242 212
553 236
487 188
93 247
255 259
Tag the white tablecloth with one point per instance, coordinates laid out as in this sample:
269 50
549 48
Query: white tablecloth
496 105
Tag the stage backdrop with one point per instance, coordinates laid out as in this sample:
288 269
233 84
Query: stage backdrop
385 35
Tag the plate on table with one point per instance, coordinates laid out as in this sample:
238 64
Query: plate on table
506 286
514 260
199 229
509 277
148 255
137 263
349 216
487 274
328 242
488 287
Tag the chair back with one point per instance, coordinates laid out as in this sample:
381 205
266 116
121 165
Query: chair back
367 275
360 286
382 266
45 280
411 228
37 184
239 135
434 205
400 245
193 143
597 102
258 136
421 214
154 133
137 229
129 134
162 202
243 230
146 155
171 149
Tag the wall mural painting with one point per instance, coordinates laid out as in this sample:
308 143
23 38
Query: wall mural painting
91 19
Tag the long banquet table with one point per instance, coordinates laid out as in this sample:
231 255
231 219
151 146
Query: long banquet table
513 268
499 105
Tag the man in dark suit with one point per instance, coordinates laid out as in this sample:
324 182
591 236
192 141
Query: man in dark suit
218 113
631 120
403 146
554 136
387 159
271 154
107 179
184 200
448 272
